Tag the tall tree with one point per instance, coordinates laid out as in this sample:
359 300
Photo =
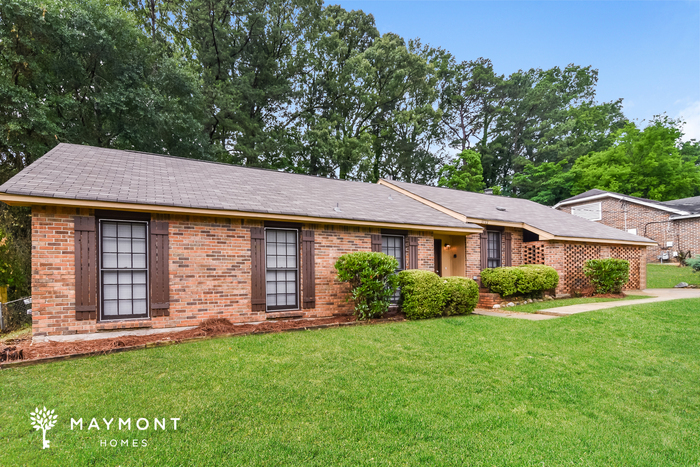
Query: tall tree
469 99
464 173
83 72
647 163
535 115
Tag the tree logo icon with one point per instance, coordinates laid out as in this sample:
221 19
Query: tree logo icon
43 420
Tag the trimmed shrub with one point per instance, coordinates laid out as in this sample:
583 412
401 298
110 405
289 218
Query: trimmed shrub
607 275
525 280
537 278
461 295
503 281
422 294
373 280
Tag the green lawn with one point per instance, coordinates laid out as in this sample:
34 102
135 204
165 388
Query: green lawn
666 276
607 388
535 307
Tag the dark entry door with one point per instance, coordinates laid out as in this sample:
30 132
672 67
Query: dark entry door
438 257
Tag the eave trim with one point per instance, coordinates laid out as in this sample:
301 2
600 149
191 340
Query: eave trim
621 198
24 200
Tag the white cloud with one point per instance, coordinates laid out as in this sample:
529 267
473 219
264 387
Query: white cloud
691 116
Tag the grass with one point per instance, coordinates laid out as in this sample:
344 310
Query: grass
607 388
666 276
19 333
535 307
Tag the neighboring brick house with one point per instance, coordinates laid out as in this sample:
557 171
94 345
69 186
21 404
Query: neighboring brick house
122 239
673 225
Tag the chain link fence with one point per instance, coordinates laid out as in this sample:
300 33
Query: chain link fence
15 314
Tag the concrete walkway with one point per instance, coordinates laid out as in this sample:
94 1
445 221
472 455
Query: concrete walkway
657 295
503 313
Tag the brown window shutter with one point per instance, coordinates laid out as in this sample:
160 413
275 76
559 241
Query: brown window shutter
257 267
308 269
507 249
484 237
412 252
85 268
377 243
159 269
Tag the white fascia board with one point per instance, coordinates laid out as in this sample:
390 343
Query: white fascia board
688 216
622 198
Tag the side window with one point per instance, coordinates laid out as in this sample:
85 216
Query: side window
282 269
393 245
123 269
494 249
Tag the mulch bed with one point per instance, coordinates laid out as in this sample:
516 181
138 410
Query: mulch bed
590 292
19 351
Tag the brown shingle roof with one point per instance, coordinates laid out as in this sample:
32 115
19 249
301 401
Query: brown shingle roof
479 206
88 173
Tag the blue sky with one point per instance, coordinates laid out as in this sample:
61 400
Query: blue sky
647 52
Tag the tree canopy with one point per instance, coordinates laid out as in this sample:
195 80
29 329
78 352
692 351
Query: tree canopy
647 163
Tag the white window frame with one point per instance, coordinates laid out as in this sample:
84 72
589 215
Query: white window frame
587 207
101 270
632 231
297 306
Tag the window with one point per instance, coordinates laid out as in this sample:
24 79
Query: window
282 269
494 249
591 211
392 245
123 269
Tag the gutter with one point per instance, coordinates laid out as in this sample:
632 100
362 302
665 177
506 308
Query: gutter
689 216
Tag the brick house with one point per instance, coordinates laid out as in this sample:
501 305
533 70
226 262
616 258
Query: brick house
124 240
672 225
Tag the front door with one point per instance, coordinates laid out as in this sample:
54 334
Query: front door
438 257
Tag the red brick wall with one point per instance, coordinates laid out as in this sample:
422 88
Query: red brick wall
623 215
472 265
209 271
53 273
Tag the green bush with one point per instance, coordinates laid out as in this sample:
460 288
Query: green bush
503 281
422 294
525 280
537 278
607 275
694 263
373 280
461 295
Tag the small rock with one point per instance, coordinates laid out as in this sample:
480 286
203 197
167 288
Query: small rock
548 297
681 285
511 304
564 295
529 300
538 300
497 306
